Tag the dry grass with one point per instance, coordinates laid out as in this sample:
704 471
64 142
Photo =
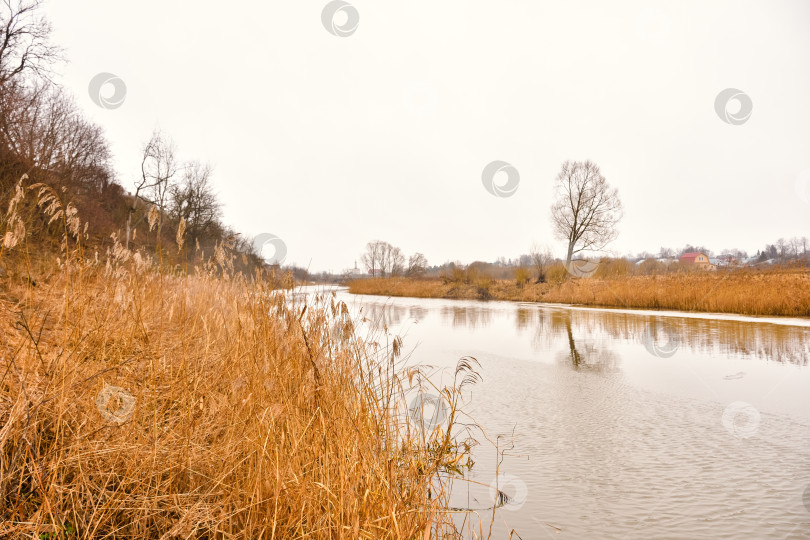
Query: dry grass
778 292
139 403
244 425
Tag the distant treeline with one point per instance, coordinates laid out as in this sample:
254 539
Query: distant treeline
381 259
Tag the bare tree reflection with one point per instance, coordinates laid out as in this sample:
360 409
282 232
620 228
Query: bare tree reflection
384 315
665 336
417 313
590 355
467 316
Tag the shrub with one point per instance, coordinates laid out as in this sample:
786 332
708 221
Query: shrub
556 274
483 286
522 276
649 267
609 268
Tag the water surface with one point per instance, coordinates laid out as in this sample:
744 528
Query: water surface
632 425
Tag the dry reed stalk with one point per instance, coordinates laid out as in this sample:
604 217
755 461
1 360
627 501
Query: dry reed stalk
163 405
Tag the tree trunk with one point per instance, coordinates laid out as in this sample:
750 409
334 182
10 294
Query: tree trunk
129 223
570 254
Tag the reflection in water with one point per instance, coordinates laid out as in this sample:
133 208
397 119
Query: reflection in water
591 355
417 313
623 424
467 316
525 317
663 335
590 333
386 315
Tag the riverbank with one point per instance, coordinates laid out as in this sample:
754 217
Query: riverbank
783 293
137 403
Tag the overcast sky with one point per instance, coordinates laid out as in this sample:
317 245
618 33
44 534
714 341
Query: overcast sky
330 141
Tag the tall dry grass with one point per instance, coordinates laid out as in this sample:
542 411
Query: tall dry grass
778 292
138 402
774 292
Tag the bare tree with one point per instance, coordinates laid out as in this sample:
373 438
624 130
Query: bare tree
384 258
417 264
158 170
24 41
795 246
782 245
393 261
734 254
541 259
372 258
43 126
194 200
587 210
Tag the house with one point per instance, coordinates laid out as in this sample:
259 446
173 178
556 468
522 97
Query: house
698 260
725 261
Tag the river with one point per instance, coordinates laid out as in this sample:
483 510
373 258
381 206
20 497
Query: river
621 424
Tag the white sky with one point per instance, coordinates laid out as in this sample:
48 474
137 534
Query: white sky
330 142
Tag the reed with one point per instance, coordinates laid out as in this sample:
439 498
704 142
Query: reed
774 292
138 401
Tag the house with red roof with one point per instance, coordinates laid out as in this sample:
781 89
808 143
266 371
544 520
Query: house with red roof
698 260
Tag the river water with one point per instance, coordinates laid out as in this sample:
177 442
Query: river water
621 424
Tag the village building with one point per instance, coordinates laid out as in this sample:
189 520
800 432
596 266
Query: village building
697 259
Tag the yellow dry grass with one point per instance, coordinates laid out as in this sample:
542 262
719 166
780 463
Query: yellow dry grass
167 406
779 292
139 402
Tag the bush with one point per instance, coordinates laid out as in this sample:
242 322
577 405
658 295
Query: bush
522 276
650 267
556 274
609 268
483 285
